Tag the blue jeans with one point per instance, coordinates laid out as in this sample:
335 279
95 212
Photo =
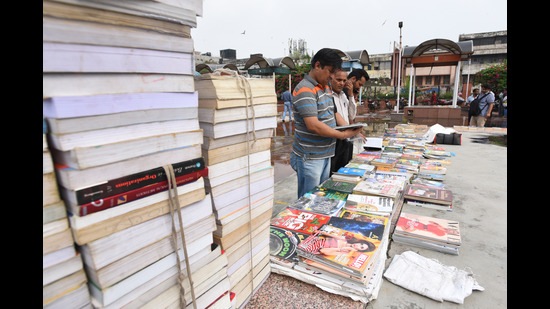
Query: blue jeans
288 108
310 172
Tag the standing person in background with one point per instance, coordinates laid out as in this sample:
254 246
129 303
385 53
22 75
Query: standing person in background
356 79
475 93
342 90
486 104
433 98
286 96
314 116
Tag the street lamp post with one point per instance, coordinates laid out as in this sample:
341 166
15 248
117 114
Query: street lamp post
399 70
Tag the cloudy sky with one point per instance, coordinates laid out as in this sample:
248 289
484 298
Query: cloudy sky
348 25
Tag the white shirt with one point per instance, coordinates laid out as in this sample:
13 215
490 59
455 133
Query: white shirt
342 104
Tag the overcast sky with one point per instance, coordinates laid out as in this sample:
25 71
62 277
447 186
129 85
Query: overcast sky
347 25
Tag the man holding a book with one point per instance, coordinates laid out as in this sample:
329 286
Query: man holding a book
315 119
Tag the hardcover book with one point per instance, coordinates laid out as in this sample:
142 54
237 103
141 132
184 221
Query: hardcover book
341 249
428 194
299 220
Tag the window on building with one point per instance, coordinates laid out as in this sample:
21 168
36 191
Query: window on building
429 80
446 79
419 81
437 80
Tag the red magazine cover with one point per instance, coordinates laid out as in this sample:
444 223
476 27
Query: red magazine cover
299 220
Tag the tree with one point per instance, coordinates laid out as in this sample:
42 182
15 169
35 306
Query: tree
281 81
496 76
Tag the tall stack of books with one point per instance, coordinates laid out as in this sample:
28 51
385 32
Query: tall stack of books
63 277
119 100
238 116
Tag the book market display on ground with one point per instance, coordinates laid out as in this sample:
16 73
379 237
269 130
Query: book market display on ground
337 236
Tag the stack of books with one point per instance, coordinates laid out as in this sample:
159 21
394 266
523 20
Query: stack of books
119 100
64 282
238 124
349 174
429 196
436 234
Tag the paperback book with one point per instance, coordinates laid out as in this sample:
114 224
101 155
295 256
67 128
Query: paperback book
371 186
373 204
341 186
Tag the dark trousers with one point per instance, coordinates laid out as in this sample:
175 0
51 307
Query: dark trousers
342 155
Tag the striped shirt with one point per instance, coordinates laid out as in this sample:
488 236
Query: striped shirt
309 99
320 243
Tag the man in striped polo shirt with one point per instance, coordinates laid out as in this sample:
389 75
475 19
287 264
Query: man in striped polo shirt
315 119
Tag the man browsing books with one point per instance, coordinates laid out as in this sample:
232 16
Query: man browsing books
315 119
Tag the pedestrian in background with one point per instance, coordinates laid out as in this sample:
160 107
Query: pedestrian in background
286 96
314 117
469 99
486 103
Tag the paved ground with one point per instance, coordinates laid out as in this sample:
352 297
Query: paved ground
478 179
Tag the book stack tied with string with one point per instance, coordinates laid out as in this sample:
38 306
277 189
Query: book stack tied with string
238 116
121 111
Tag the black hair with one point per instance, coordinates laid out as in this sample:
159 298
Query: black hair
358 73
371 245
486 86
327 56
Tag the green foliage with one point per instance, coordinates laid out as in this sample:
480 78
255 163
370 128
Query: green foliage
496 76
281 81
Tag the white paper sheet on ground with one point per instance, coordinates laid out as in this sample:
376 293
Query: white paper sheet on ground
430 278
436 128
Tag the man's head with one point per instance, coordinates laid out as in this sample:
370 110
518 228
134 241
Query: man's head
485 88
325 62
475 91
358 77
338 80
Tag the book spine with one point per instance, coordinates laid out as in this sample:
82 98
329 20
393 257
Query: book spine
135 181
136 194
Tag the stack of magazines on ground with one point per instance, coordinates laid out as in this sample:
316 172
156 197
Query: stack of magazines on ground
336 236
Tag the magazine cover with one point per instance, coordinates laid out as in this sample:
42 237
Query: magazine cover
349 251
299 220
430 228
318 203
282 245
